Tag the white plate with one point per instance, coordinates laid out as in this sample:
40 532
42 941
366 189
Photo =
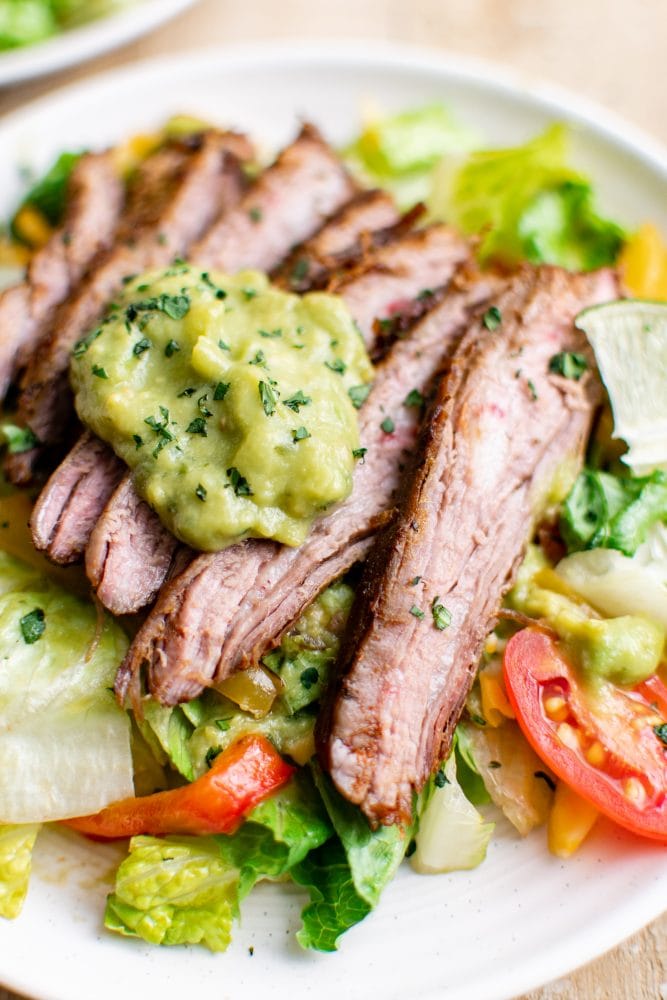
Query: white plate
79 44
523 917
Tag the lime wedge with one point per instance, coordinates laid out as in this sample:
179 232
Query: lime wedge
629 338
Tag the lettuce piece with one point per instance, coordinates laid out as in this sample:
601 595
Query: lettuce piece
64 742
399 151
612 512
335 904
452 835
48 194
187 890
278 834
176 890
16 844
468 773
24 22
373 856
527 203
346 876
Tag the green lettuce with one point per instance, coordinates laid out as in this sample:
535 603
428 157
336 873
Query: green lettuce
187 890
16 844
527 203
346 876
399 152
49 193
612 512
64 742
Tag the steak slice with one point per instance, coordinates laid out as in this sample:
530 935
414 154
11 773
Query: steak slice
338 242
417 259
228 607
176 195
73 499
93 205
501 428
274 215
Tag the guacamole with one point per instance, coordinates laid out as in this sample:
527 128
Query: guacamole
229 400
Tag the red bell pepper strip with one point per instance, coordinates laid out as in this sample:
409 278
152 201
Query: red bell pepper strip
239 779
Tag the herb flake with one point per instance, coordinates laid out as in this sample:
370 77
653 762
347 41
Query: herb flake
32 626
442 618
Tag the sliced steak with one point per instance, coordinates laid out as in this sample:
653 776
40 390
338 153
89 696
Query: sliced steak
177 193
126 544
407 266
93 205
340 241
285 206
229 607
501 428
73 499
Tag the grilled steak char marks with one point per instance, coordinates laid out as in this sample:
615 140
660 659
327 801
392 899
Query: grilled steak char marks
73 499
501 428
339 242
285 206
177 193
405 268
229 606
93 205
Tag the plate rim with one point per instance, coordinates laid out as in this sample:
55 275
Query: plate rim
445 64
79 45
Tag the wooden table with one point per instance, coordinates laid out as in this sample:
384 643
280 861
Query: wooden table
610 50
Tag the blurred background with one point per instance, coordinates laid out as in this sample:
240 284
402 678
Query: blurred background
611 51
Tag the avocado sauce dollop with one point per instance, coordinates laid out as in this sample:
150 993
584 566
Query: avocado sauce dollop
228 399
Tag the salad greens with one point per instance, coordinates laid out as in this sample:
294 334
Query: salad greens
25 22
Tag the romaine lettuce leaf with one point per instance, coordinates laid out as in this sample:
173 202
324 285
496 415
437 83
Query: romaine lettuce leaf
612 512
176 890
181 890
528 204
399 152
64 742
16 844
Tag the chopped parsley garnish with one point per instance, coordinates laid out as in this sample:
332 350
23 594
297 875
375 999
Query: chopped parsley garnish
414 398
359 394
202 407
270 334
440 779
255 214
173 306
223 346
337 365
425 295
239 483
160 428
259 359
141 345
249 293
531 389
82 345
417 612
138 440
189 391
309 677
32 626
197 426
19 439
414 581
492 318
223 724
300 434
359 452
171 348
442 618
300 270
297 400
220 293
201 492
661 732
211 754
388 425
221 390
568 364
267 395
99 371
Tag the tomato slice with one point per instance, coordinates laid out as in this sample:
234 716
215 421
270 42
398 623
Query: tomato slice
239 779
602 742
